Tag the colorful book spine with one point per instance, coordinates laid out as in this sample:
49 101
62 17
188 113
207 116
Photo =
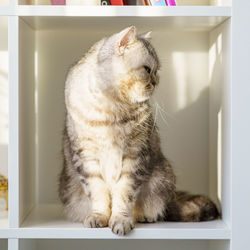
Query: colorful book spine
134 2
105 2
171 2
116 2
158 2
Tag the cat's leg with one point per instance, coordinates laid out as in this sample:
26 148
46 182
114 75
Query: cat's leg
122 221
81 205
124 194
155 194
99 195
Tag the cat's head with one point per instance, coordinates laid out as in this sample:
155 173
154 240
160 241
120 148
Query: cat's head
132 63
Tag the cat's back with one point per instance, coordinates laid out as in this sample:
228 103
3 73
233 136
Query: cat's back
87 64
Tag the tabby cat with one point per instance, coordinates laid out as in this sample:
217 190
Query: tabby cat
114 172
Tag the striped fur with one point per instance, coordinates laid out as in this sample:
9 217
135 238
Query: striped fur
114 171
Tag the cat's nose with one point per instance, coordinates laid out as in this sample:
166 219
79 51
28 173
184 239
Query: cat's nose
154 81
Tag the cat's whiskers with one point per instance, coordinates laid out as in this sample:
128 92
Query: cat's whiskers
155 118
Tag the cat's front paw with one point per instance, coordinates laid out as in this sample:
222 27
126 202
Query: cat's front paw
121 225
96 220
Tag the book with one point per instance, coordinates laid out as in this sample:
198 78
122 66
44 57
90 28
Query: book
105 2
147 2
135 2
116 2
82 2
170 2
158 2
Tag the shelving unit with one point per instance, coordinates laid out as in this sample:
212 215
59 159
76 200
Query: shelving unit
201 88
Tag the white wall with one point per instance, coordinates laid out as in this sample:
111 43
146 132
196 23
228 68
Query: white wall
3 2
220 116
183 94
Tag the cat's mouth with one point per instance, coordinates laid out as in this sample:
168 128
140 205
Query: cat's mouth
151 86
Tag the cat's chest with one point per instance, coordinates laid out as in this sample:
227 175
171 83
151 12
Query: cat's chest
112 146
111 151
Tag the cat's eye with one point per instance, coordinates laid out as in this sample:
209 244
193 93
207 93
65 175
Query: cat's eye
147 69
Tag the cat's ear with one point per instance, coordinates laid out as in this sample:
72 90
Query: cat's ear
146 35
126 37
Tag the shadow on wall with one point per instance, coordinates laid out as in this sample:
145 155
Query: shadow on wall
184 96
220 120
194 130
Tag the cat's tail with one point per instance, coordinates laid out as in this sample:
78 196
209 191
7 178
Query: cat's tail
191 208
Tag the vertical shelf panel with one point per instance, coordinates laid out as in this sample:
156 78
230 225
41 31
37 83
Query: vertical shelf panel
13 244
13 157
240 124
27 118
4 114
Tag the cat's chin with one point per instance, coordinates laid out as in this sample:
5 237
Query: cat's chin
142 99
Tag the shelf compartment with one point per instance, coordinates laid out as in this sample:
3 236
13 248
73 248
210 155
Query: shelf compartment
196 96
48 221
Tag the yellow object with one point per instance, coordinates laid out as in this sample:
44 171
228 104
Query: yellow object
4 189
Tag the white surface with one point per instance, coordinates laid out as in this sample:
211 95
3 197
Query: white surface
208 11
13 244
240 125
182 11
220 117
54 244
13 156
4 2
48 221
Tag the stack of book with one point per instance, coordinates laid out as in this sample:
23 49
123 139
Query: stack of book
114 2
139 2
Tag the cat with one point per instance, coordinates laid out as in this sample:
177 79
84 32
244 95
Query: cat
115 173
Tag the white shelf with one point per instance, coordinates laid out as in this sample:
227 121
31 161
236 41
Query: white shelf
123 11
140 11
184 23
47 221
215 55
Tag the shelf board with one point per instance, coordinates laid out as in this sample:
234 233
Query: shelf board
108 11
5 10
23 10
47 221
109 24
